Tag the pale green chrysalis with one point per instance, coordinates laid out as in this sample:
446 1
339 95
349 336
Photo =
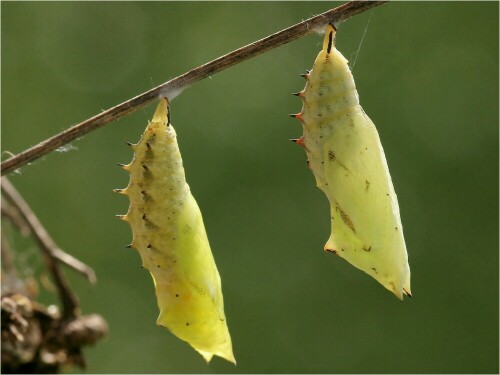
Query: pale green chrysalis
345 154
169 234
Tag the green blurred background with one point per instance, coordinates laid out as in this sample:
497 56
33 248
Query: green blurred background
427 75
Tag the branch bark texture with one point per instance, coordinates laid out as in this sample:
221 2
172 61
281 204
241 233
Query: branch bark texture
173 87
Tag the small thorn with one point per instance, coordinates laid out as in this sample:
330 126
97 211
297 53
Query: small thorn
407 293
121 165
120 191
128 246
130 144
299 141
297 116
121 217
300 93
305 75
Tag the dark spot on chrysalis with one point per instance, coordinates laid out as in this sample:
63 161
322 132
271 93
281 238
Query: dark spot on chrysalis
147 223
367 248
346 219
168 116
149 246
149 151
367 185
146 173
145 196
177 295
330 42
331 155
187 323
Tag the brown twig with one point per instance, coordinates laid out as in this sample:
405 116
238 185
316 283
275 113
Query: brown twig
173 87
12 214
6 256
53 254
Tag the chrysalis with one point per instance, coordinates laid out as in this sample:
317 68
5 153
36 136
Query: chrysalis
169 234
345 154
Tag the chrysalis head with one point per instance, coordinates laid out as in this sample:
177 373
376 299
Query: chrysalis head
329 39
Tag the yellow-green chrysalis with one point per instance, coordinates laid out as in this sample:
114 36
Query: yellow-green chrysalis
169 234
345 154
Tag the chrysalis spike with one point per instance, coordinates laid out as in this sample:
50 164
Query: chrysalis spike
123 166
122 217
120 191
297 116
306 75
128 246
407 293
299 141
130 144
